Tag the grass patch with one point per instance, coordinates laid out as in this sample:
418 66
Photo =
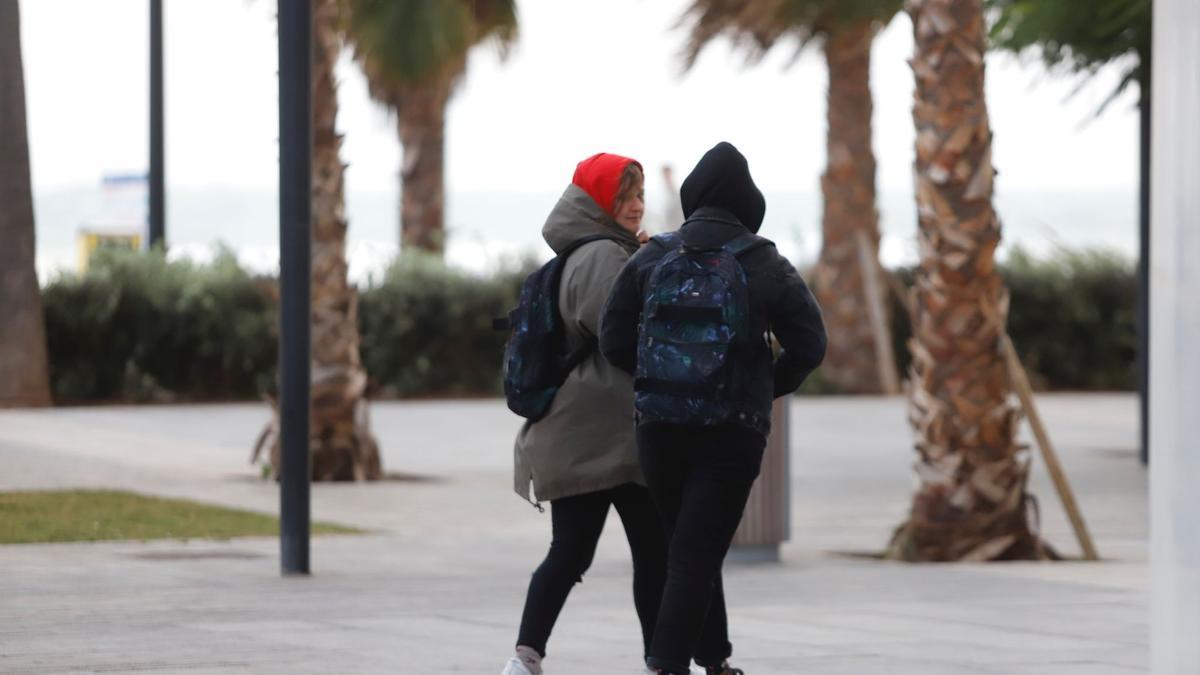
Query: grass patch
103 515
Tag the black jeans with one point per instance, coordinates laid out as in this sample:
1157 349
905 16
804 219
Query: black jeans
700 478
577 522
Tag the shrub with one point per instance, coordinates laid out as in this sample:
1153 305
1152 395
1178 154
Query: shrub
137 326
1074 318
427 328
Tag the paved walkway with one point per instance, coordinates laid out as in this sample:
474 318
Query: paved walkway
437 586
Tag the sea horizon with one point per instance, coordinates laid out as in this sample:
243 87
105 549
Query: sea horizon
487 229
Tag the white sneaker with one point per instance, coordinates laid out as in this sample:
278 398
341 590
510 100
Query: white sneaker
515 667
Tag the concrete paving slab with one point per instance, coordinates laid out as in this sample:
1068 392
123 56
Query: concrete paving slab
438 583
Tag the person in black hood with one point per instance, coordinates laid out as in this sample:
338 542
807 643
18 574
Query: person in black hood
700 474
722 180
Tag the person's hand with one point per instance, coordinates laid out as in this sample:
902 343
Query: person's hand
642 236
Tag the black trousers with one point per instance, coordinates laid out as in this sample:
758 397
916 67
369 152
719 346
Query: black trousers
700 478
577 523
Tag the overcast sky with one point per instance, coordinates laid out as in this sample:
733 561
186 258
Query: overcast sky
586 76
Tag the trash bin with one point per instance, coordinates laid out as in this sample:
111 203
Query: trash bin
766 524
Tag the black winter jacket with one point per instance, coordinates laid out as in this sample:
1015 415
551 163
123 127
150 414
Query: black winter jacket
779 302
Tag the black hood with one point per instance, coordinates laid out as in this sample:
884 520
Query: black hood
722 180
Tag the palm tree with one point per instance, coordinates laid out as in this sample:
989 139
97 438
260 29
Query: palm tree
24 373
845 30
1081 36
414 52
342 445
971 502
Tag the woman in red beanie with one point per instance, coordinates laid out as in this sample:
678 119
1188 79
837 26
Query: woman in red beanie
582 456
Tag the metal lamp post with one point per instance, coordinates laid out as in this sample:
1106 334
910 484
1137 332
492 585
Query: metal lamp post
157 216
295 272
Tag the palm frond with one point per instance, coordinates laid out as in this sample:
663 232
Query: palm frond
755 26
412 43
1077 36
496 20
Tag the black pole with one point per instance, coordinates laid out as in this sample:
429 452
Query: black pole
1143 291
158 198
295 271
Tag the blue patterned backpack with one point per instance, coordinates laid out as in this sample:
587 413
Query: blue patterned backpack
695 318
536 360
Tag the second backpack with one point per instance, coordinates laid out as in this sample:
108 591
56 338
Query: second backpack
695 319
536 358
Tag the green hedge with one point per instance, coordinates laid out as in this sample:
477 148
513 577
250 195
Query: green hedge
427 328
137 327
1074 318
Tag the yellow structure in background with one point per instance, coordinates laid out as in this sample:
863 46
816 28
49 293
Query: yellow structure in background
88 242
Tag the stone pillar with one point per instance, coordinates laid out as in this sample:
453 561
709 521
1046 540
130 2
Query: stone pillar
1175 339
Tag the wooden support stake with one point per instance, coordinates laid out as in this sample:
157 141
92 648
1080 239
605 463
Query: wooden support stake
885 357
898 289
1020 380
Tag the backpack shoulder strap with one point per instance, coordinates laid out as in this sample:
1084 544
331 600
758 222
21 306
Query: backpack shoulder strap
668 240
573 359
745 243
578 243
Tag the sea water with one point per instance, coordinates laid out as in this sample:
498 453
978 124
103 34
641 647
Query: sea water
488 229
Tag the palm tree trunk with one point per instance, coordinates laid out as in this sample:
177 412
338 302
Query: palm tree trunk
971 502
342 445
421 124
24 372
848 187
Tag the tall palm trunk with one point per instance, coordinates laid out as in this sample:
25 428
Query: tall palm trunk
341 442
421 123
971 502
848 187
24 373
